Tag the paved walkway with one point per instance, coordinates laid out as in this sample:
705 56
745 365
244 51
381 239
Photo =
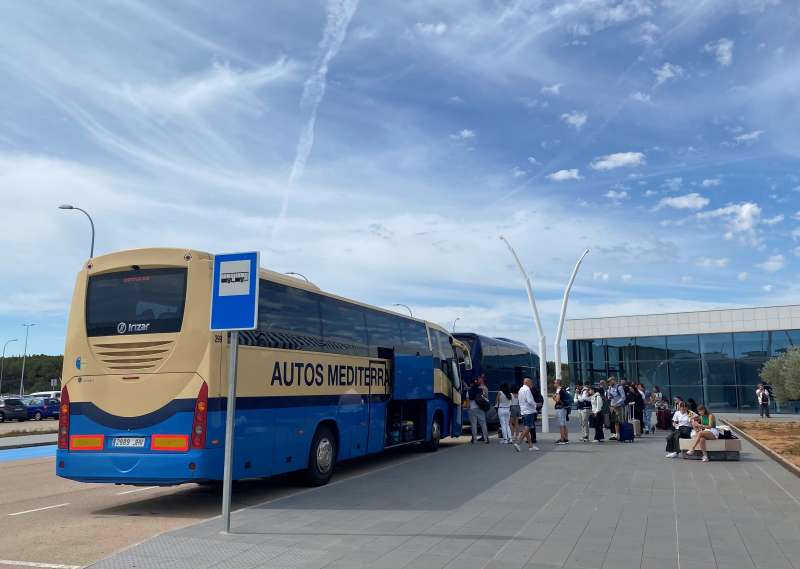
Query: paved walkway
581 506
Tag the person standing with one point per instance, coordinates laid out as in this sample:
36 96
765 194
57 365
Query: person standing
763 398
504 414
516 415
584 405
616 399
561 400
476 414
527 406
596 400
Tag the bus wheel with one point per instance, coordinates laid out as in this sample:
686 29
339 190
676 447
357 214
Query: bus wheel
322 457
436 435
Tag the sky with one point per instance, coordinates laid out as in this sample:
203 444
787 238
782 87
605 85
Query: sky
381 148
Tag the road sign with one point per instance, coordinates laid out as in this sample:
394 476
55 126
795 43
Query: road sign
234 297
234 307
54 382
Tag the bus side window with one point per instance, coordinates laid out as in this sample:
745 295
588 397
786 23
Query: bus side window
288 318
344 328
384 332
415 338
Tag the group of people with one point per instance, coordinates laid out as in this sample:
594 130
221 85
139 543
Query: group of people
691 421
517 410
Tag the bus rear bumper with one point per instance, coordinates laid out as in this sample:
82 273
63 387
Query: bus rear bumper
152 469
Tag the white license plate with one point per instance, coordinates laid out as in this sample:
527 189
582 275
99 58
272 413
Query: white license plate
129 442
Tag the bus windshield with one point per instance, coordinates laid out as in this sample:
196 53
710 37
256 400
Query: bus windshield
136 302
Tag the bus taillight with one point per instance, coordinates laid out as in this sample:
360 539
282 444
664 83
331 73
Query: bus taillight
200 418
63 420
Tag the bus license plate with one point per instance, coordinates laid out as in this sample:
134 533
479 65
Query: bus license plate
129 442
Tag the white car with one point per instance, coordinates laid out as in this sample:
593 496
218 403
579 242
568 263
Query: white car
46 394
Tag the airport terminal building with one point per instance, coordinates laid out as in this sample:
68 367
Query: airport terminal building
712 356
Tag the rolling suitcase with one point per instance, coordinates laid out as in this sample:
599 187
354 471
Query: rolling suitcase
625 432
664 419
637 424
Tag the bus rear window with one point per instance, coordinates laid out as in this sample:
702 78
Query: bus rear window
146 301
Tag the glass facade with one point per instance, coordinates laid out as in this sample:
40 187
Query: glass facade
719 370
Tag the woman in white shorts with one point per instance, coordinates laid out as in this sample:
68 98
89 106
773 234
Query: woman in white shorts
705 429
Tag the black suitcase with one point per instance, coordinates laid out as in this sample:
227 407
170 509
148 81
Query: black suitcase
625 432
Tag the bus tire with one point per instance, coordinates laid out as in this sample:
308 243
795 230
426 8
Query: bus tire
322 457
436 434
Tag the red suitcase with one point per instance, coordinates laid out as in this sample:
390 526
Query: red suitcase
664 419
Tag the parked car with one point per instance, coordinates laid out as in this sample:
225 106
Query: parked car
12 408
47 394
41 408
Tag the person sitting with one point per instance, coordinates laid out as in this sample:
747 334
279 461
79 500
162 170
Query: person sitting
703 431
682 424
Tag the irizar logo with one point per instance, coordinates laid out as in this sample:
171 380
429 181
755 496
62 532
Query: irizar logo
124 327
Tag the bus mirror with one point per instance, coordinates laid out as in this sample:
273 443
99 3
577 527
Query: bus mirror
466 362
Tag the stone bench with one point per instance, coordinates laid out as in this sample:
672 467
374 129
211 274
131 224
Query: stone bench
718 449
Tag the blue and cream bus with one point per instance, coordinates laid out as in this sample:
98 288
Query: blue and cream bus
322 379
502 361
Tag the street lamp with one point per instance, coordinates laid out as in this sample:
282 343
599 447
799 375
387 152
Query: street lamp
68 206
563 313
406 307
542 339
24 355
3 364
297 275
454 324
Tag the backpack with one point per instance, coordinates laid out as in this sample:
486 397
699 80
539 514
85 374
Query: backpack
566 399
482 403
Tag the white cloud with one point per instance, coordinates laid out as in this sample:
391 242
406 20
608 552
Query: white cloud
741 220
650 193
463 134
616 196
533 161
689 201
518 172
428 29
641 97
618 160
564 175
455 99
551 90
686 279
742 276
673 184
773 220
600 276
773 264
711 263
796 251
722 50
575 119
748 137
626 278
710 182
767 288
668 71
795 234
648 32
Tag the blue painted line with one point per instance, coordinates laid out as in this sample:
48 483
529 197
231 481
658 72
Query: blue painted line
27 453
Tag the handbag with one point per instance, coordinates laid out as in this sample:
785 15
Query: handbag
592 420
483 403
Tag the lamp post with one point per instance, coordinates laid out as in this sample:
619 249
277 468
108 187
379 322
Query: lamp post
68 206
406 307
454 324
24 355
563 313
542 339
3 363
292 273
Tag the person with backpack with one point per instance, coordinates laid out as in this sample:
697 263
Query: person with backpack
478 405
616 401
563 402
763 397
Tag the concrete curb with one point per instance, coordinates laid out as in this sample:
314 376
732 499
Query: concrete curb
28 445
765 449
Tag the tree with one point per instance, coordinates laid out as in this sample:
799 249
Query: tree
783 373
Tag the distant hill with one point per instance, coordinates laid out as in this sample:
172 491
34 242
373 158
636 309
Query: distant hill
39 369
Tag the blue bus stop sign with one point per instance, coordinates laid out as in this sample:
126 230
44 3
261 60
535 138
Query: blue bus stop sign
234 293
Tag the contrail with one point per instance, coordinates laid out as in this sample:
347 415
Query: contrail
340 12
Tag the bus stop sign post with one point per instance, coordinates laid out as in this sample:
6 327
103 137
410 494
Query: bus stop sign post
234 307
